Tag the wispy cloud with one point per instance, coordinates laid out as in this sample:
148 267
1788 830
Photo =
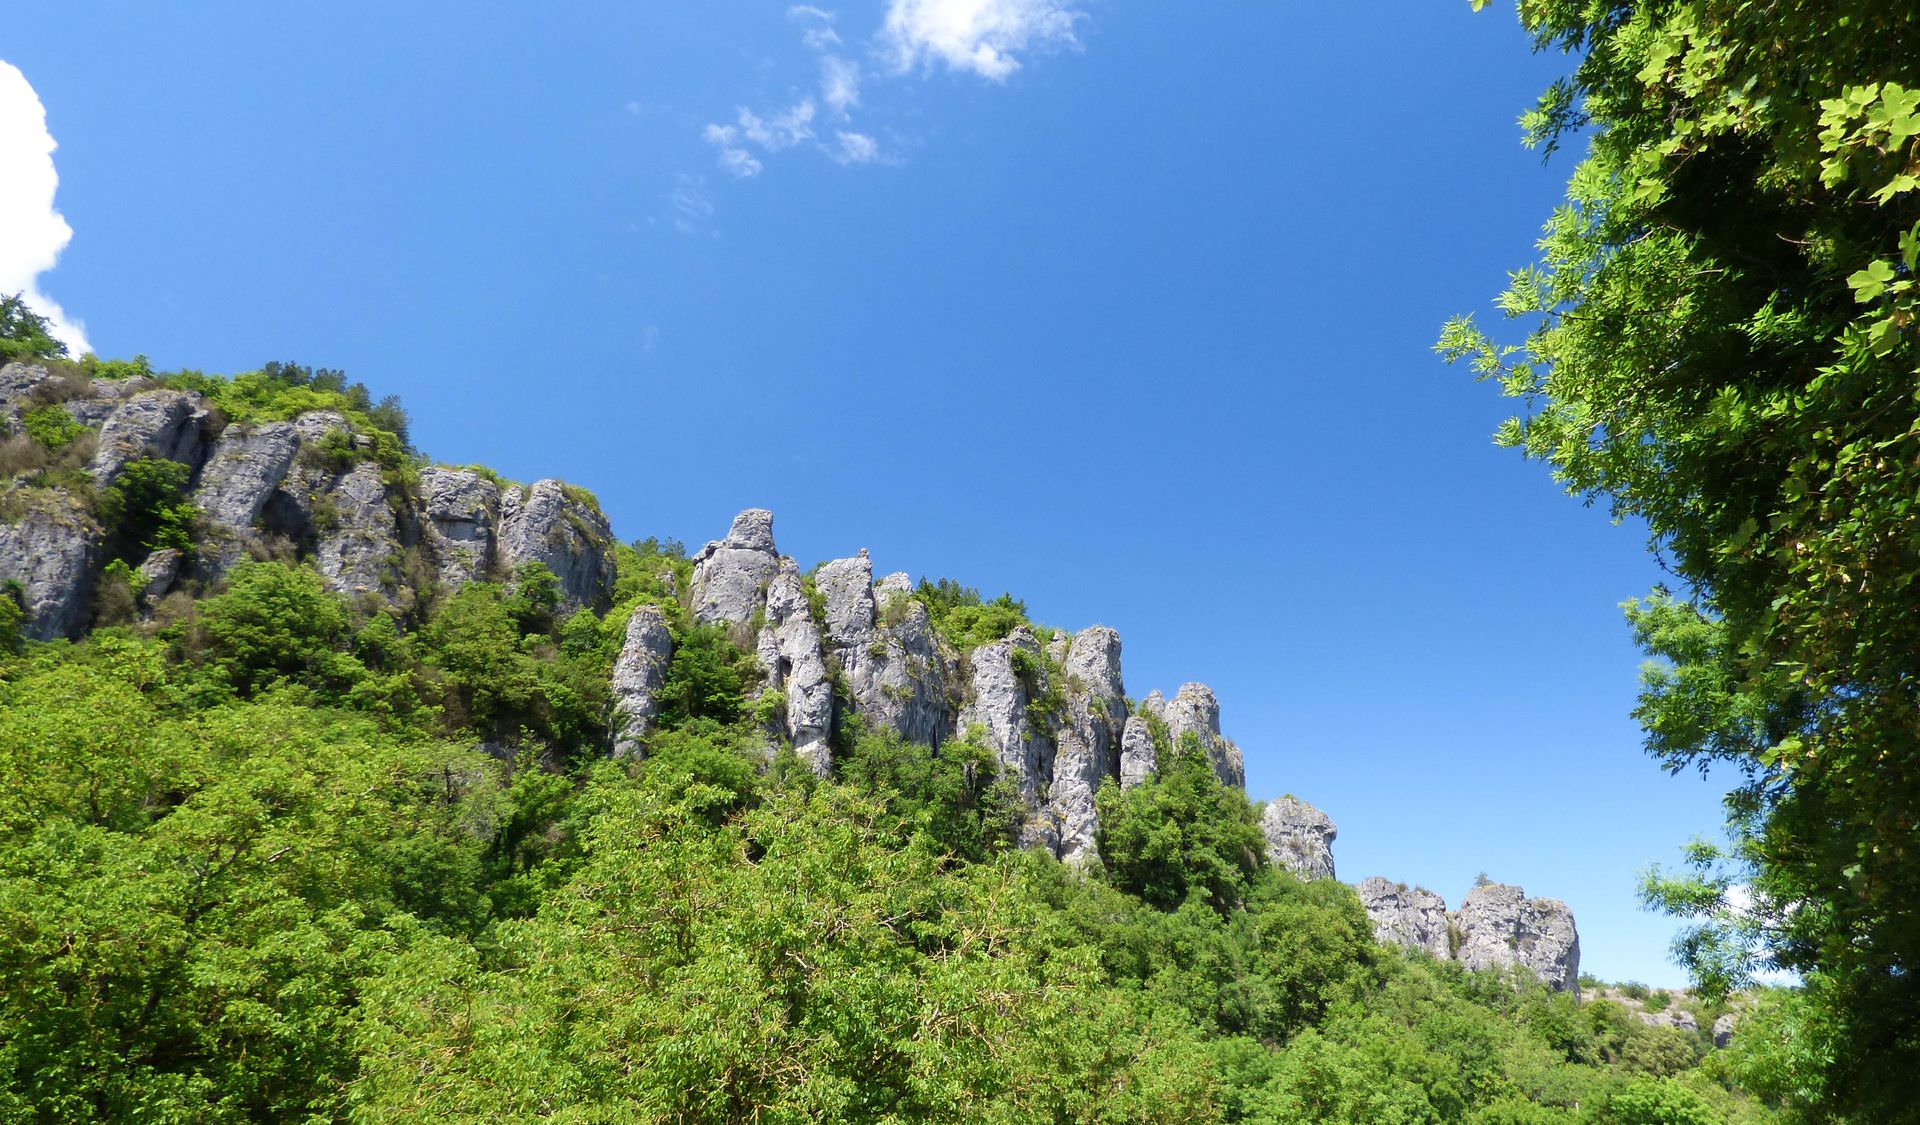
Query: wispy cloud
691 207
980 37
32 231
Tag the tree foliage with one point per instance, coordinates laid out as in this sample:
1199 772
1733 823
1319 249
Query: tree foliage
1724 344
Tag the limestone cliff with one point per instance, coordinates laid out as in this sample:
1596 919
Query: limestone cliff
835 647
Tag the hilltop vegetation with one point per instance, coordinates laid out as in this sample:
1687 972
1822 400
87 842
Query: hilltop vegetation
273 852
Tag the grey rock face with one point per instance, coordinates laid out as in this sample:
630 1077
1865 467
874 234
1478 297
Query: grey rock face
357 536
161 424
884 642
1299 838
998 703
51 551
896 583
461 513
1088 742
1723 1029
1677 1018
158 574
18 382
790 653
242 472
638 675
1412 918
1194 710
1500 927
730 575
1139 757
569 535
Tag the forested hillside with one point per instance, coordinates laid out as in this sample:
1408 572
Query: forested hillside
339 785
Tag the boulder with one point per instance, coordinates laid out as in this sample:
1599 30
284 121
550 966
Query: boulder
1411 917
1501 927
1299 838
730 575
562 527
1087 750
638 675
1723 1029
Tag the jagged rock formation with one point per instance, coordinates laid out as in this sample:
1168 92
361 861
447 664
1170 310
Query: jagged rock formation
1501 927
790 653
883 640
461 511
834 650
1087 747
1299 837
730 575
310 487
1413 918
1496 927
1007 676
562 528
638 675
50 547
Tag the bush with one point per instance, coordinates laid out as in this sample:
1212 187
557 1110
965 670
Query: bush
51 426
1179 834
23 332
142 510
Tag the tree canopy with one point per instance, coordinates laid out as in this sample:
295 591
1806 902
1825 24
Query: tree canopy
1720 341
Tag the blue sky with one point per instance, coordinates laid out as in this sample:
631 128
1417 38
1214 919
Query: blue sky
1124 311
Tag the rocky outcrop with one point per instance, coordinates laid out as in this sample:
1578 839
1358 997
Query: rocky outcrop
1500 927
638 676
730 575
460 515
563 528
162 424
1087 745
49 550
1496 927
1299 837
242 472
1410 917
888 654
1005 676
1195 711
1723 1029
790 654
1677 1018
1139 756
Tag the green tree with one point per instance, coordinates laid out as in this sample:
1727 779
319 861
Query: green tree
1180 833
1724 344
23 332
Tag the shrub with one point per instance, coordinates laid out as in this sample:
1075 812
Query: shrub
51 426
23 332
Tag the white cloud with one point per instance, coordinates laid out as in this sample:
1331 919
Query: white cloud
839 83
691 207
32 232
977 35
782 130
982 37
855 148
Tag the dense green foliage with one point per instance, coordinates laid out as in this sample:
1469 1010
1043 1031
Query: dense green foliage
1724 344
256 864
23 332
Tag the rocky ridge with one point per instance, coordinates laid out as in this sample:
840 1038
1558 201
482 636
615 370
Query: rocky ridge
834 647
